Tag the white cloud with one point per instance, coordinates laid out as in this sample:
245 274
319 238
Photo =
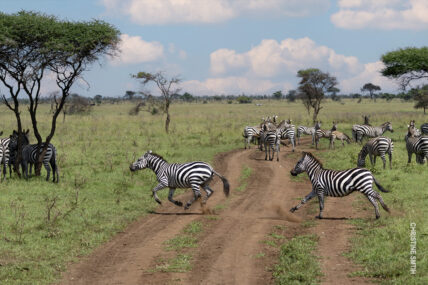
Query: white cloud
135 50
382 14
371 73
232 85
160 12
272 59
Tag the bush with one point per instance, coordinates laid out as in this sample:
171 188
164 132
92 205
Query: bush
244 99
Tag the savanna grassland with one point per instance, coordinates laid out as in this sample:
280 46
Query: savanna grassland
43 226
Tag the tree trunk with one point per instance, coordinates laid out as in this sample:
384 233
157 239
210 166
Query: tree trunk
19 150
168 119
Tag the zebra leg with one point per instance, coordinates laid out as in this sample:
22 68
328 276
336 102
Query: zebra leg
292 144
266 151
24 169
304 200
277 152
170 195
209 192
321 201
383 160
48 169
371 159
372 200
158 187
390 160
298 138
196 195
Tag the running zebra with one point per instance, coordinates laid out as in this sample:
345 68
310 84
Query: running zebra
416 145
302 130
179 175
271 140
376 147
29 156
359 131
319 133
249 134
424 128
336 183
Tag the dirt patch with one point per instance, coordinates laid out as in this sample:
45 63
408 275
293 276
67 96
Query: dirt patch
229 247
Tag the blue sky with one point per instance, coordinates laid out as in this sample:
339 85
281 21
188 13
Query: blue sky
243 46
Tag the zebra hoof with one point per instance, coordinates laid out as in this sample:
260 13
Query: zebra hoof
318 217
293 209
178 203
158 201
187 206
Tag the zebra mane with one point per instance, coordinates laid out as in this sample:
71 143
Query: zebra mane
313 157
158 155
386 123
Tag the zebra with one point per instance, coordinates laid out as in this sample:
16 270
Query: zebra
302 130
376 147
179 175
290 133
416 131
249 134
4 155
271 140
29 156
337 183
336 135
416 145
424 128
359 131
319 133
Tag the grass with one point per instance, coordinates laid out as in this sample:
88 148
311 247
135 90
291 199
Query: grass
382 246
180 263
98 196
297 262
243 179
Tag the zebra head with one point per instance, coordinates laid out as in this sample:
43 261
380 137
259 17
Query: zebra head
300 166
317 125
361 161
13 145
388 127
141 162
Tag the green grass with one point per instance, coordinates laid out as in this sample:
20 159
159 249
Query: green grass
180 263
382 246
98 196
243 179
297 262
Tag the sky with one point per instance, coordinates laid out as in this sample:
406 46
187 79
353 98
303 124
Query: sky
223 47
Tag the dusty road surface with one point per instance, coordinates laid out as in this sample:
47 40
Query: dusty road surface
230 247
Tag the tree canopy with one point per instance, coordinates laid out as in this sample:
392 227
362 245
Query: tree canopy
313 86
406 65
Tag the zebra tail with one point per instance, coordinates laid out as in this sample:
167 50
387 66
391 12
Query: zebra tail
380 186
226 186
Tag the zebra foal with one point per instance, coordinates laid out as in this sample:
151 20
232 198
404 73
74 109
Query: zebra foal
319 133
336 135
376 147
179 175
250 133
302 130
337 183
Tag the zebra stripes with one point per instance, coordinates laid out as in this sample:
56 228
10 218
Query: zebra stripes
4 155
29 157
271 140
417 146
359 131
336 135
336 183
302 130
319 133
179 175
376 147
424 128
249 134
290 134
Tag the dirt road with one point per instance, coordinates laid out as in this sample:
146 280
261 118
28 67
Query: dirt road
230 243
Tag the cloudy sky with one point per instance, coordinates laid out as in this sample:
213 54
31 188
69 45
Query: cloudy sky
243 46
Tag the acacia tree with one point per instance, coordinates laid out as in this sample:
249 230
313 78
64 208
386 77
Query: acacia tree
421 98
370 88
45 44
313 86
167 87
406 65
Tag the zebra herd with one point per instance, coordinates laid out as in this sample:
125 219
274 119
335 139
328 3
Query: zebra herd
9 151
